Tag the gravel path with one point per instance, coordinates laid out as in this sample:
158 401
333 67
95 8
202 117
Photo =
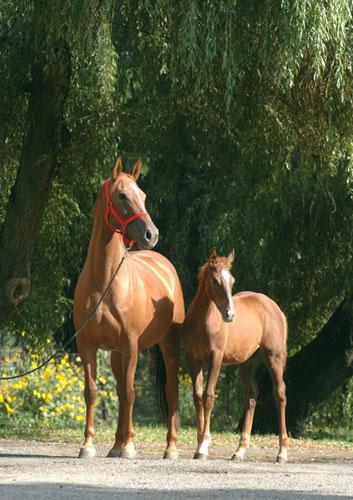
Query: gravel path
36 471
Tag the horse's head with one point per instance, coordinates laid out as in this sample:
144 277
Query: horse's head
219 283
125 210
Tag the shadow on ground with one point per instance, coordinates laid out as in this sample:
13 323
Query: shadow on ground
41 491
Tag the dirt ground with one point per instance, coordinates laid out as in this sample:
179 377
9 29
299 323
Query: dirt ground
34 470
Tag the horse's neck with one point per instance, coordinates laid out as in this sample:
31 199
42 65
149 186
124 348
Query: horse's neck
106 248
203 305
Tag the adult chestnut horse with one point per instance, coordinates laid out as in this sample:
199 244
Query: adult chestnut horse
144 306
221 328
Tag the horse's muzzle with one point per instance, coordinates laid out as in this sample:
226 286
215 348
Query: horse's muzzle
144 233
150 238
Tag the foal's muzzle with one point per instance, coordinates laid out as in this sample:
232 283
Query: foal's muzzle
228 315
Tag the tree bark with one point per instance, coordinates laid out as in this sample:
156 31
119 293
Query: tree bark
318 369
45 121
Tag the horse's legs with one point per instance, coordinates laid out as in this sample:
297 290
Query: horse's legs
117 368
208 397
197 388
130 354
88 354
275 362
170 347
250 388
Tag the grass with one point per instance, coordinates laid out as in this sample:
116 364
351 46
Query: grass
148 435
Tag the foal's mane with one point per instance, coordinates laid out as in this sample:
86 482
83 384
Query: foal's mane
212 264
202 271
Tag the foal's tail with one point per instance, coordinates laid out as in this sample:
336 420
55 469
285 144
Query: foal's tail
161 380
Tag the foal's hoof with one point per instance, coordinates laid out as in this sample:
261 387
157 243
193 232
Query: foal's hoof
200 456
114 453
281 460
89 452
170 455
237 458
128 453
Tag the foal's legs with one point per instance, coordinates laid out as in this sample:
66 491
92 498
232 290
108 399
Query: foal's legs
215 363
275 362
170 347
250 388
88 354
195 370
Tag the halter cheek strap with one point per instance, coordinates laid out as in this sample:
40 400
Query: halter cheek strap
109 209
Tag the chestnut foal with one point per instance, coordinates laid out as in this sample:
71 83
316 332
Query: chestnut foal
144 306
221 328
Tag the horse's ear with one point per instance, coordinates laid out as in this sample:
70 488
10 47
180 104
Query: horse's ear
230 258
213 256
136 170
118 167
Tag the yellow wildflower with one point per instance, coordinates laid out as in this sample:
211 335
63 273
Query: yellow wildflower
9 409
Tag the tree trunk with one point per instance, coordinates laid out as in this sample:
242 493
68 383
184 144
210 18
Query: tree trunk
318 369
28 200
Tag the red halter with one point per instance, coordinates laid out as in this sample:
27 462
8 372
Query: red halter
109 209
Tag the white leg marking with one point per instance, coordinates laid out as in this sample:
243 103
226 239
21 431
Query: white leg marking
240 452
203 447
283 454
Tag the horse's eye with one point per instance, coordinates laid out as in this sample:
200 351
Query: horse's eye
214 281
122 197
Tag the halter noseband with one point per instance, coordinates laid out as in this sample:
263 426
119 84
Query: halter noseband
109 209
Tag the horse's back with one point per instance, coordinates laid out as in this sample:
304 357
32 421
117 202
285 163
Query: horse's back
259 322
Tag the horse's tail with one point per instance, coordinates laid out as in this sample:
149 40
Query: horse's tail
161 380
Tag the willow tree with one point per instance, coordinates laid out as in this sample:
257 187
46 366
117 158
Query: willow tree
53 60
245 112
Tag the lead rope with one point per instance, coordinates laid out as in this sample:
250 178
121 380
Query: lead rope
84 321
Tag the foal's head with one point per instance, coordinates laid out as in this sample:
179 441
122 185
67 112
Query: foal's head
219 282
127 200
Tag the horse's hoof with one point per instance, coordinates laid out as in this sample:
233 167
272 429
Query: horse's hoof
89 452
281 460
114 453
200 456
170 455
128 453
237 458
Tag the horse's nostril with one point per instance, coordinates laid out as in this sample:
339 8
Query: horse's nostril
148 235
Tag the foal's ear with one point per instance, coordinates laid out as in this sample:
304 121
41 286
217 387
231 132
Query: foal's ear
213 255
136 170
118 167
230 258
